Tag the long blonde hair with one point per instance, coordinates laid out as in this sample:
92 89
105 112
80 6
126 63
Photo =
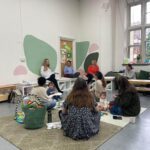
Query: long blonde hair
45 62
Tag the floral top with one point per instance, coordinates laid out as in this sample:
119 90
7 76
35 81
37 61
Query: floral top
80 123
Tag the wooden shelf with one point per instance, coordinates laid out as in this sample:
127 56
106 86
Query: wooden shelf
146 64
3 97
143 89
8 86
6 89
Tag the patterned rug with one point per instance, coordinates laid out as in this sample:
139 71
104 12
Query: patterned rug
43 139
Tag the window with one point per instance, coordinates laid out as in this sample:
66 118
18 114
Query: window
139 31
148 12
135 15
147 45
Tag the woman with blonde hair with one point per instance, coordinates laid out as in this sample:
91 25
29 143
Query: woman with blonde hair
48 75
80 117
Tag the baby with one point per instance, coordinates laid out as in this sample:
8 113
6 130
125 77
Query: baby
103 103
52 90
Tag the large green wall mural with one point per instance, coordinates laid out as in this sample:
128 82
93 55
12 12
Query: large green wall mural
81 52
36 51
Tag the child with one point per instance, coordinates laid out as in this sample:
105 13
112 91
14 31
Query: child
52 90
40 92
103 103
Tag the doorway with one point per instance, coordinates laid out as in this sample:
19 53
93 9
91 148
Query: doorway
66 53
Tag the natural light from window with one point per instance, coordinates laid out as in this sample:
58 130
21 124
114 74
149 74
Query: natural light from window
135 37
148 13
135 15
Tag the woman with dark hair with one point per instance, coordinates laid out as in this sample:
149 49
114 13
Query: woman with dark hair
47 74
99 85
129 72
127 102
80 117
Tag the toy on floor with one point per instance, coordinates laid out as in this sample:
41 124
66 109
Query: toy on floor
20 117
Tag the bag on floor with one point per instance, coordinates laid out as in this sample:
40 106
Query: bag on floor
34 117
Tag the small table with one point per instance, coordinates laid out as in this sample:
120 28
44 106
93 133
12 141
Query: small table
110 79
22 87
66 83
112 85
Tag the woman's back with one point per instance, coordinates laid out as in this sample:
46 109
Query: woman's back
80 118
128 98
80 123
130 102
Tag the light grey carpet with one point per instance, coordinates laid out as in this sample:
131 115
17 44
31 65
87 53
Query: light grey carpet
43 139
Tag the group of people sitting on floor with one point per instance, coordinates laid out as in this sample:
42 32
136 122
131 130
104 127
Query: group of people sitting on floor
81 112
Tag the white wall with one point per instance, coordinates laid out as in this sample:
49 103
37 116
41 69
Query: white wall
45 19
98 21
96 26
120 51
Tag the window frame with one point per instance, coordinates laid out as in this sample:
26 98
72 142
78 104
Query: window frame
141 27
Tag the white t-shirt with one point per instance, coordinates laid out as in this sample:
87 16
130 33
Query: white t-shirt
46 74
98 88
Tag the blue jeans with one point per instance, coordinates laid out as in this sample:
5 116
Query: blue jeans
116 110
49 104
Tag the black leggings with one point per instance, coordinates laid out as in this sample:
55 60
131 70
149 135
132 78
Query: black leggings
90 78
75 75
53 79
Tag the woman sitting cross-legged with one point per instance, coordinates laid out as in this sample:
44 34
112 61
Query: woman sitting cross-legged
48 75
80 117
127 102
129 72
69 71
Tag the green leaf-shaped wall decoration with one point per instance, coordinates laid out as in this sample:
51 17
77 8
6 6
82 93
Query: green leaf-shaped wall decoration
89 58
81 52
36 51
